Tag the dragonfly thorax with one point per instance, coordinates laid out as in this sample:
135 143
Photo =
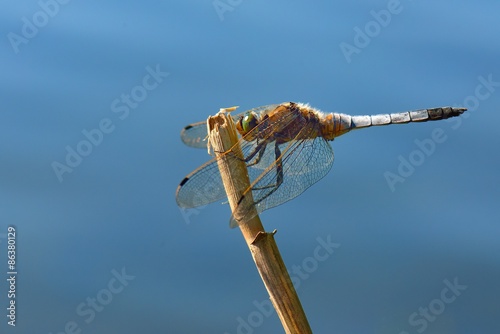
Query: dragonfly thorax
282 123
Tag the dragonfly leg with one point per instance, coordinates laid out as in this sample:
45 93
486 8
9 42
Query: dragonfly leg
279 175
260 148
279 178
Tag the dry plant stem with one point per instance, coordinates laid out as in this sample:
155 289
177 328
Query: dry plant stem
222 136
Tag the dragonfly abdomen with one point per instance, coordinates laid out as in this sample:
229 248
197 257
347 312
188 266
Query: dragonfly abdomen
335 124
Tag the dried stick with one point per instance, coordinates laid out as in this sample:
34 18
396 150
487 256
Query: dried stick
265 253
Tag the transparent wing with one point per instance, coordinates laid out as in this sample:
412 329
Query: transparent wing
303 163
195 135
204 185
201 187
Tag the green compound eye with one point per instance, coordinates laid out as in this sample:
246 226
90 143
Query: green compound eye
248 122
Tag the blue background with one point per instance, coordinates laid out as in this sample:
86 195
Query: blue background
116 210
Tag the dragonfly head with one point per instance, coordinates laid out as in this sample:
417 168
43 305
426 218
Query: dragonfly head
246 123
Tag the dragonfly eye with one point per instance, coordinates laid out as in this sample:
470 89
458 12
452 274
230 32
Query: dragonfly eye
248 122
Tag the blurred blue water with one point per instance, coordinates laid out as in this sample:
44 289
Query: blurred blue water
116 209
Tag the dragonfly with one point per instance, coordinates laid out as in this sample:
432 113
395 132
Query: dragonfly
286 150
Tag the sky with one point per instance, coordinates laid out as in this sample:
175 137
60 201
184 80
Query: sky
93 98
